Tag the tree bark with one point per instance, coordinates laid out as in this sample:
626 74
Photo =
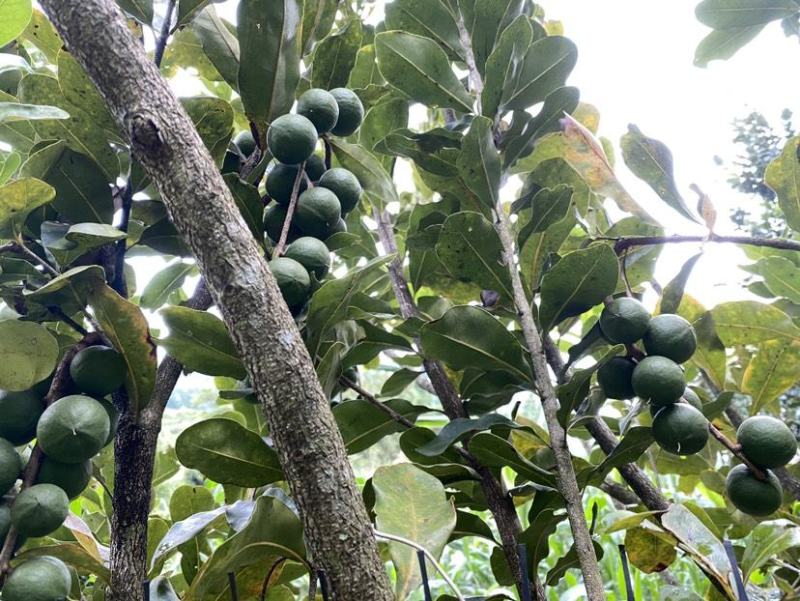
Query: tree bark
165 142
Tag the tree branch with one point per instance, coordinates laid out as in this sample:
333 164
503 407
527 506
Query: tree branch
623 243
287 222
565 473
22 248
161 42
200 205
499 501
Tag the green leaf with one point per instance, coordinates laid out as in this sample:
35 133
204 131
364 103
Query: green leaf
213 118
126 328
189 9
467 336
183 531
732 14
651 161
141 10
751 322
200 342
723 44
766 542
68 243
771 372
80 131
399 381
578 282
673 292
220 45
781 276
545 68
269 42
569 561
377 184
469 524
456 429
386 116
411 504
318 18
228 453
650 550
70 290
335 56
495 451
79 90
538 251
82 189
485 21
274 531
362 424
17 199
419 68
41 33
14 18
783 176
164 283
28 354
429 18
548 207
470 249
637 440
504 64
15 111
9 163
479 163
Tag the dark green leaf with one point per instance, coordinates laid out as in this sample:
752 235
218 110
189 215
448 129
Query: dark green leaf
573 393
578 282
479 163
228 453
362 424
249 202
70 290
504 64
781 276
269 40
456 429
69 242
213 118
732 14
567 562
164 283
200 342
430 18
335 56
467 336
673 292
494 451
546 66
318 18
219 42
651 161
188 10
141 10
419 68
548 206
399 381
485 22
377 183
470 249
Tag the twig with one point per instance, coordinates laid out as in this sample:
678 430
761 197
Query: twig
736 449
32 255
161 43
428 555
400 419
567 481
119 284
623 243
268 577
326 142
287 223
68 320
624 273
232 585
476 83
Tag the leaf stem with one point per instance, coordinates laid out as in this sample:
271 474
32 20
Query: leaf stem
287 223
21 247
736 449
326 142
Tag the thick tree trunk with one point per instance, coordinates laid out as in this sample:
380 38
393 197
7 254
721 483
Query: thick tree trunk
200 205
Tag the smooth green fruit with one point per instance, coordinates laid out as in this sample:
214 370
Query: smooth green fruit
98 370
274 217
10 466
39 510
338 228
317 212
690 396
670 336
624 320
245 142
73 429
766 441
20 413
351 112
315 167
658 380
320 107
615 377
72 478
312 254
293 280
680 429
5 522
291 139
345 185
280 183
39 579
751 495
